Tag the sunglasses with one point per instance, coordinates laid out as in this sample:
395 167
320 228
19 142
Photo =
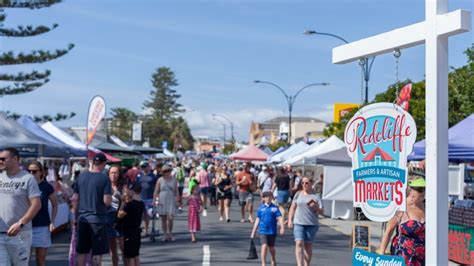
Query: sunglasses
33 172
419 189
2 159
305 183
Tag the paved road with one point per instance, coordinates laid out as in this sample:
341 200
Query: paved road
228 244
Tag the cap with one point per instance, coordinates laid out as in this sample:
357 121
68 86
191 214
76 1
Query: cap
100 158
135 186
267 194
165 168
144 164
419 182
264 168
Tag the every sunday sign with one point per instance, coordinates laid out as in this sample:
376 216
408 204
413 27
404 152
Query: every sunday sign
379 138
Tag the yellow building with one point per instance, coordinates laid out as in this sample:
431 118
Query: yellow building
340 109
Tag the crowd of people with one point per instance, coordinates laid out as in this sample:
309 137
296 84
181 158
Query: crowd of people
111 208
111 205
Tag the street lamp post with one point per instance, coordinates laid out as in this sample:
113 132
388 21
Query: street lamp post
290 99
223 124
230 123
363 62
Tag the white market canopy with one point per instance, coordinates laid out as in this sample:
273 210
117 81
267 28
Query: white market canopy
308 157
291 151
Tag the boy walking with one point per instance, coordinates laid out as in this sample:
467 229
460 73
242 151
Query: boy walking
131 215
267 216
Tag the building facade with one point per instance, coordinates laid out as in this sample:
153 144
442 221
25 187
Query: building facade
268 132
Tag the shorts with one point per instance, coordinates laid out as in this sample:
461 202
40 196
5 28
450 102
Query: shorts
282 196
204 190
92 236
225 195
15 249
268 239
148 205
305 233
132 243
245 196
41 237
112 221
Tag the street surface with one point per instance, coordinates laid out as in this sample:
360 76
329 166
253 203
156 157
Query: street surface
228 245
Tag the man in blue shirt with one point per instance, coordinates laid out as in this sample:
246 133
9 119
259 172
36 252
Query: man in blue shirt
268 215
93 194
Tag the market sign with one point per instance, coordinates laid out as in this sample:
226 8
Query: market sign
94 117
362 257
379 137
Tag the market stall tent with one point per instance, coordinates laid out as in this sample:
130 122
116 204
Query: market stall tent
27 123
460 142
69 140
250 153
309 157
27 143
292 150
337 185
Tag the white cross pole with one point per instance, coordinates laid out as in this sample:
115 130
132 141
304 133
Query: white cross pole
434 32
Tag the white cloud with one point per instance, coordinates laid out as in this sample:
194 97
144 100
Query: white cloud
202 123
326 114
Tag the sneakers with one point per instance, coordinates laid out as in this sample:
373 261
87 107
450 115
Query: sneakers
221 219
180 209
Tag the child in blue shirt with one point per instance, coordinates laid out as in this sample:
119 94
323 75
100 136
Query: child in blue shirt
268 215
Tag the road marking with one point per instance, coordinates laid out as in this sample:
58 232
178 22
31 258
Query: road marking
204 213
206 257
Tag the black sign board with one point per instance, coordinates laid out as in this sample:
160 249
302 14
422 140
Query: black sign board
361 236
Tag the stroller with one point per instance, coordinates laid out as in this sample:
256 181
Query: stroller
152 211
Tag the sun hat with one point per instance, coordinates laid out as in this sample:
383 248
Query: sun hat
419 182
165 168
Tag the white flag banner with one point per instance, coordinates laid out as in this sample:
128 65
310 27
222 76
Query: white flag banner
95 116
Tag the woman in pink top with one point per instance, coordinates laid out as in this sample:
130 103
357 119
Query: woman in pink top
204 184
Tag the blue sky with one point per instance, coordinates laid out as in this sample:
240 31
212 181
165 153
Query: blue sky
216 49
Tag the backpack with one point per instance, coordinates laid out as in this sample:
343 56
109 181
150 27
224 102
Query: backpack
180 175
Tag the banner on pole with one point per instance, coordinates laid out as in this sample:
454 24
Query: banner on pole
403 99
94 117
137 132
379 137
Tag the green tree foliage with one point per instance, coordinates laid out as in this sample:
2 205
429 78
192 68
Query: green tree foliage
181 134
122 123
461 99
43 118
164 122
275 146
21 82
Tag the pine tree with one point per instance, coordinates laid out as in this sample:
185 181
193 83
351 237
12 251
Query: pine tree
26 82
164 122
122 122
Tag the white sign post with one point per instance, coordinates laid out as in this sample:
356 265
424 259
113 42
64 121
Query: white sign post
434 32
137 132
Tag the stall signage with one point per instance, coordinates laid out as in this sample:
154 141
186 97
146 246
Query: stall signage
459 247
95 115
379 137
362 257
